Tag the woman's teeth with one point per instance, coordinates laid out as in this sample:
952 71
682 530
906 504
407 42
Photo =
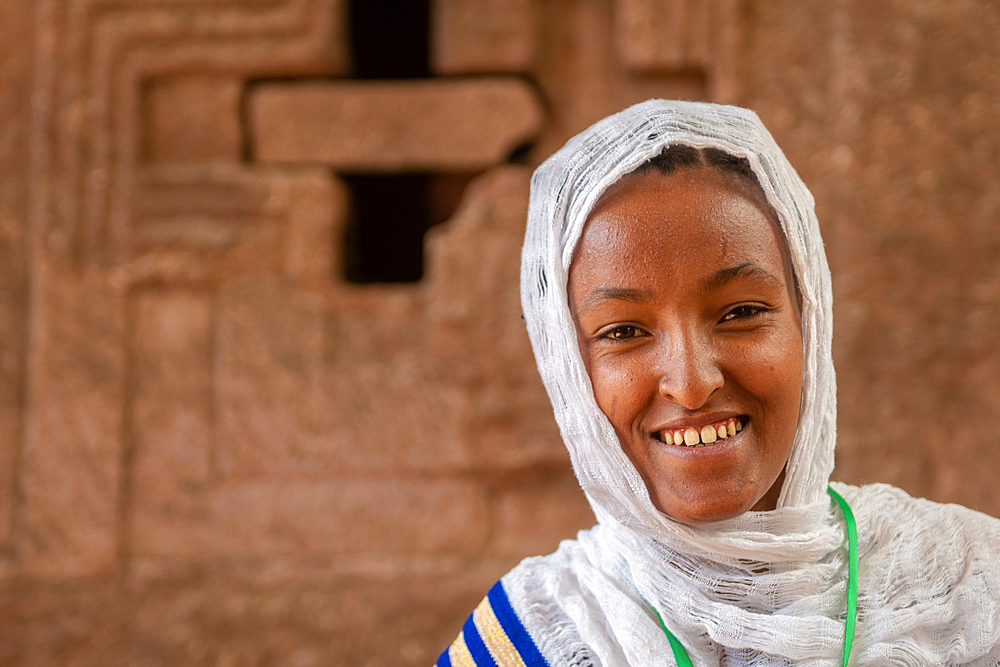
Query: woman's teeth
706 435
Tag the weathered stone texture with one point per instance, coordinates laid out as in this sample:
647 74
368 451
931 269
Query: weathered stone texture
317 211
16 43
509 417
533 518
584 75
15 92
210 622
211 223
92 71
925 166
354 518
71 461
13 310
667 34
476 36
172 412
194 119
309 389
418 125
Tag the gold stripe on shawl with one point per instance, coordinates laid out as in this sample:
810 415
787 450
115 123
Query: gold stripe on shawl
459 653
496 640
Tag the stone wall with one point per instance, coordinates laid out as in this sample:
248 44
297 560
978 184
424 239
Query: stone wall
216 449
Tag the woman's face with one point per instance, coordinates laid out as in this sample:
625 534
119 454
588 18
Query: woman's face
688 324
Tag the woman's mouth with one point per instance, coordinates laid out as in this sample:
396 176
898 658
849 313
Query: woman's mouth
704 436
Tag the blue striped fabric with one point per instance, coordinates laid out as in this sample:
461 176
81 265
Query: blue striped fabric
511 625
476 646
507 639
444 660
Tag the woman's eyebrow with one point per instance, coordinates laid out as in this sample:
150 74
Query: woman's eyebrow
599 295
744 270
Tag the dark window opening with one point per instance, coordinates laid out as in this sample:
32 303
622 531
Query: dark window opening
390 214
390 39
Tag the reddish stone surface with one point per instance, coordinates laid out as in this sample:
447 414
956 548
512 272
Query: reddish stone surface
317 212
310 389
13 310
16 42
194 119
657 36
71 461
376 126
585 77
477 36
206 224
368 518
215 451
665 34
210 621
508 422
536 514
173 460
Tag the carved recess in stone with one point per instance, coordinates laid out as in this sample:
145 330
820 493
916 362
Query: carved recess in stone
678 35
193 118
327 425
90 86
92 61
209 223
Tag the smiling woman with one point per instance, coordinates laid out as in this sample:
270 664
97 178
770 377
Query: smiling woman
679 305
688 326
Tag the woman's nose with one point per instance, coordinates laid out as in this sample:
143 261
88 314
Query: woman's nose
690 372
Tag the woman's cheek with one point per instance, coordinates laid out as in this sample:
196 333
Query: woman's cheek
615 383
776 357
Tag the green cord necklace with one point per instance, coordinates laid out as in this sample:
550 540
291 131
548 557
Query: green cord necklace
680 654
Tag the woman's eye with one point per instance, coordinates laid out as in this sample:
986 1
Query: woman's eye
622 332
743 312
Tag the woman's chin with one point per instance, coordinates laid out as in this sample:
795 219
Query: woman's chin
696 514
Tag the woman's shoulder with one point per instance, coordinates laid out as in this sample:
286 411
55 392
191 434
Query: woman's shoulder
929 545
505 628
888 516
493 635
888 505
926 570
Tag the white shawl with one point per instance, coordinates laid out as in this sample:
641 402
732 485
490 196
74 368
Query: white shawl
765 588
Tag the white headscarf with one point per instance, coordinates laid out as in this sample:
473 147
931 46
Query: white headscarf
765 587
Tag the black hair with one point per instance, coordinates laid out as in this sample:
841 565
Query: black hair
679 156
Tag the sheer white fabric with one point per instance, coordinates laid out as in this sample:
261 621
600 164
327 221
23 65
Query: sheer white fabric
765 588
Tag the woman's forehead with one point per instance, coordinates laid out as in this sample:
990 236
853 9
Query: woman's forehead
691 210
